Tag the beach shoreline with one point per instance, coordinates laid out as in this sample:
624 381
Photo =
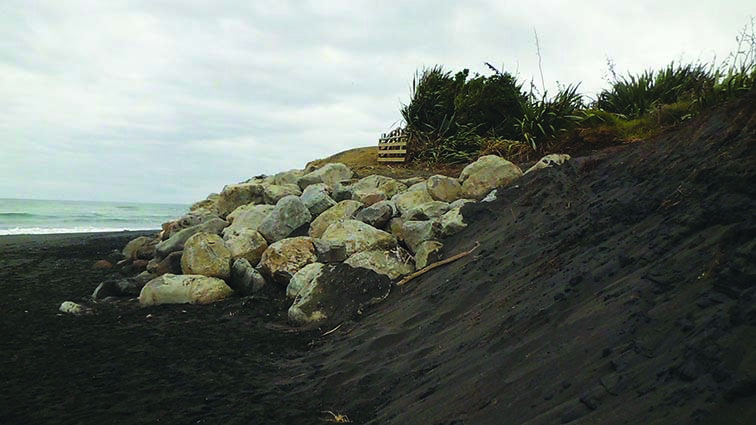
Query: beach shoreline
614 290
64 239
124 364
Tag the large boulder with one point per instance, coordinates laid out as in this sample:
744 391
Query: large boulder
288 215
393 263
303 278
330 174
375 188
486 174
451 222
358 236
417 232
207 204
317 199
141 248
340 292
246 217
341 193
288 177
206 254
184 289
245 279
427 211
377 215
247 244
193 218
329 251
387 185
235 195
284 258
274 192
341 211
408 200
550 160
443 188
369 197
177 241
170 264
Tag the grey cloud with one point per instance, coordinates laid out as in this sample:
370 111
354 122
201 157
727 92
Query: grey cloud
168 101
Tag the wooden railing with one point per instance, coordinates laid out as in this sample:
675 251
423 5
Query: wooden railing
392 146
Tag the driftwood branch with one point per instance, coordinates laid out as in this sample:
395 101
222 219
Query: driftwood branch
430 267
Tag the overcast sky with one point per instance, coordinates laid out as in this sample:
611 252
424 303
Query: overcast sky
168 101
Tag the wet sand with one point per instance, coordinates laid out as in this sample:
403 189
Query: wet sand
618 289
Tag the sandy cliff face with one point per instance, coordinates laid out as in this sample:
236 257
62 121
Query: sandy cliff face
617 288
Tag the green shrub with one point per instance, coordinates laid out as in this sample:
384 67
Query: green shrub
432 107
490 105
544 119
636 95
737 74
449 113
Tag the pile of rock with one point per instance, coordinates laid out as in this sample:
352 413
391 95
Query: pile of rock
294 228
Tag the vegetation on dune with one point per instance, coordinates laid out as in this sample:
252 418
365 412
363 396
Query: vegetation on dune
456 117
451 115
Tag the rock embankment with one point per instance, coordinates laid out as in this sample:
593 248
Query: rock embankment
332 242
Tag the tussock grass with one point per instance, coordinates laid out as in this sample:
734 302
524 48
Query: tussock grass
455 117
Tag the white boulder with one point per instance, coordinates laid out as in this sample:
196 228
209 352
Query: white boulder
184 289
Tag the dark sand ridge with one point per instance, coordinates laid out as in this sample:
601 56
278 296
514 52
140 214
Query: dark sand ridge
616 289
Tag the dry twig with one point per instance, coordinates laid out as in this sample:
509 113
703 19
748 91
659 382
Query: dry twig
337 418
333 330
437 264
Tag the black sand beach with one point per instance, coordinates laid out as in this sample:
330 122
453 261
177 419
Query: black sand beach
617 289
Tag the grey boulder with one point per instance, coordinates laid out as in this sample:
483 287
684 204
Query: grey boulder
288 215
245 279
177 241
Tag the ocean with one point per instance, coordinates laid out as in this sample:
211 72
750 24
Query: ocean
26 216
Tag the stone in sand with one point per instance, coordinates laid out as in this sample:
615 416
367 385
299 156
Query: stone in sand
245 279
170 264
184 289
247 217
410 199
274 192
486 174
417 232
288 215
235 195
330 174
247 244
142 247
206 254
358 236
317 199
392 263
443 188
303 278
284 258
377 215
341 211
177 241
71 307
